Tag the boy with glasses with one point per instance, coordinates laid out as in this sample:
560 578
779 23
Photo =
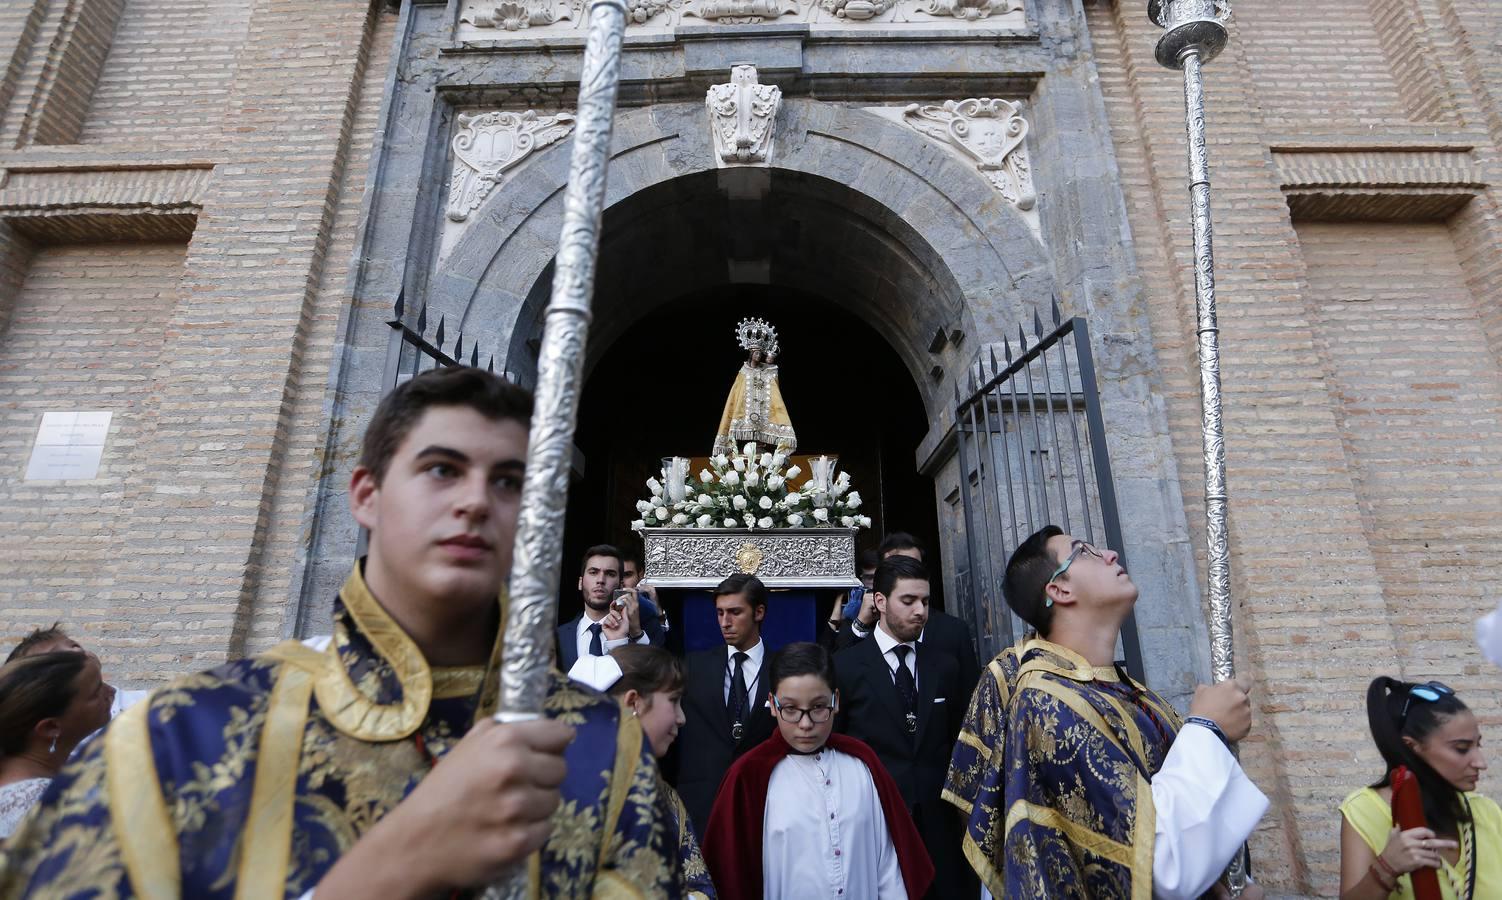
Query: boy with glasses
1079 782
809 813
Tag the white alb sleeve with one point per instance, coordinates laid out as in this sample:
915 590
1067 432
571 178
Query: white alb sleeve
599 672
1205 808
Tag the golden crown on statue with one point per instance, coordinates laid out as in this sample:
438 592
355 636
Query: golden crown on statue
757 334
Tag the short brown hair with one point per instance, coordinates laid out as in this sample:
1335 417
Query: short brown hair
609 550
38 638
647 670
486 393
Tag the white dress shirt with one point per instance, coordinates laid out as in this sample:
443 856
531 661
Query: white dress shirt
824 834
749 670
582 636
886 642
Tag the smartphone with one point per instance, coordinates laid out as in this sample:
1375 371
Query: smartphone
618 599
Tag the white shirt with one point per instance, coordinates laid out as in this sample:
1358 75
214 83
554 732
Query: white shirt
825 835
749 669
583 635
1205 808
886 642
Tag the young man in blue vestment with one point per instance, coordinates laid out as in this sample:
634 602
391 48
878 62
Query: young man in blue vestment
367 764
1079 782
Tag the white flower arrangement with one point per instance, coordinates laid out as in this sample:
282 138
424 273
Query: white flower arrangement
756 489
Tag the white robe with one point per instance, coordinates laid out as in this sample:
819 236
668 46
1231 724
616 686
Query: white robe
825 835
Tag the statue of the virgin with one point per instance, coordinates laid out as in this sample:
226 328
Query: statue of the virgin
754 411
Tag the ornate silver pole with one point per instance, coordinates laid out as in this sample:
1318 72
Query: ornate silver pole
527 653
1195 33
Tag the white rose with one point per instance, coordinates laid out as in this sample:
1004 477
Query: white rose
729 523
731 478
821 515
680 519
840 488
739 501
777 460
775 483
657 501
638 525
764 522
795 520
750 520
794 472
661 513
844 478
854 500
766 460
739 464
749 449
847 521
643 506
706 476
654 486
765 503
705 500
865 521
720 461
704 521
794 498
752 479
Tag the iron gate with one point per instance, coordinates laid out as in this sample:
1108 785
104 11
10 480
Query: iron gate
409 351
1032 453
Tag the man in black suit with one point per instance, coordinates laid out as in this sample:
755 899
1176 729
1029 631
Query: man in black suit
944 633
903 699
724 698
599 576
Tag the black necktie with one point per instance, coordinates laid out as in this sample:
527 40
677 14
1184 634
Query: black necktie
735 704
595 647
906 686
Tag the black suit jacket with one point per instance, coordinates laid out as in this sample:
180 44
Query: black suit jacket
705 747
872 711
568 634
944 634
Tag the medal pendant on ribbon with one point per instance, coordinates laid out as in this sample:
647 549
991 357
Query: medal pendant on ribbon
912 723
736 731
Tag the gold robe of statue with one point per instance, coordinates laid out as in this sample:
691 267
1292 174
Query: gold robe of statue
754 411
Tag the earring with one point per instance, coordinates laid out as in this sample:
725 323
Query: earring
633 712
53 748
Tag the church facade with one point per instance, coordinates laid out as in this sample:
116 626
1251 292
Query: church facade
221 224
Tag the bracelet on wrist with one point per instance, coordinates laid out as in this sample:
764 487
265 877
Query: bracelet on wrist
1210 724
1385 882
1387 867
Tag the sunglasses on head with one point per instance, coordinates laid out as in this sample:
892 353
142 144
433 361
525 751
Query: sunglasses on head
1429 692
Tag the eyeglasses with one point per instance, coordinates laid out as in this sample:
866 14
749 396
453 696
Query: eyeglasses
1429 692
1074 554
794 714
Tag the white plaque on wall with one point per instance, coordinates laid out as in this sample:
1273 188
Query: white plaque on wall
69 446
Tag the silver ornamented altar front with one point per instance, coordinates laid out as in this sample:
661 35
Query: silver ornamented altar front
699 558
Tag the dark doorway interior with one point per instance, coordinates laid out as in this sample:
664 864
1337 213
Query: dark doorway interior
659 390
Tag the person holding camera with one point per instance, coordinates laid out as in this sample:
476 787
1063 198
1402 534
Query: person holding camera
600 587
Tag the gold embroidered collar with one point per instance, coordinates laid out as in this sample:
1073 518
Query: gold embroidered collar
1059 660
353 711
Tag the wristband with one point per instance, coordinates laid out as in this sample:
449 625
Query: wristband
1387 867
1210 724
1383 881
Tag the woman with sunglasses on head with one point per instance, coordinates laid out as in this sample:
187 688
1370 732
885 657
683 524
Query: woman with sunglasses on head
808 813
1425 728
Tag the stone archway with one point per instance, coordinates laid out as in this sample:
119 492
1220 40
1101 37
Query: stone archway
889 225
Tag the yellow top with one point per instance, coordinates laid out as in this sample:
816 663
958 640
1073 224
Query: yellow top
1371 816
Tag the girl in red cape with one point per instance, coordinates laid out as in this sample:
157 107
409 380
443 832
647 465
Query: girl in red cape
808 813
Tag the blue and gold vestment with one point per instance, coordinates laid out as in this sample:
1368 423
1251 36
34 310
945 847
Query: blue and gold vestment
1053 770
252 779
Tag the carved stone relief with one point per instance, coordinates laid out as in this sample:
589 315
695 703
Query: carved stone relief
489 144
489 20
741 117
990 132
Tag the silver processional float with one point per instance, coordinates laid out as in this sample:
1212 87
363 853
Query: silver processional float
1194 33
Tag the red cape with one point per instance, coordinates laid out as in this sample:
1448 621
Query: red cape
732 842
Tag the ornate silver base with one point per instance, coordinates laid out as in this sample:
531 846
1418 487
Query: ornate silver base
780 557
